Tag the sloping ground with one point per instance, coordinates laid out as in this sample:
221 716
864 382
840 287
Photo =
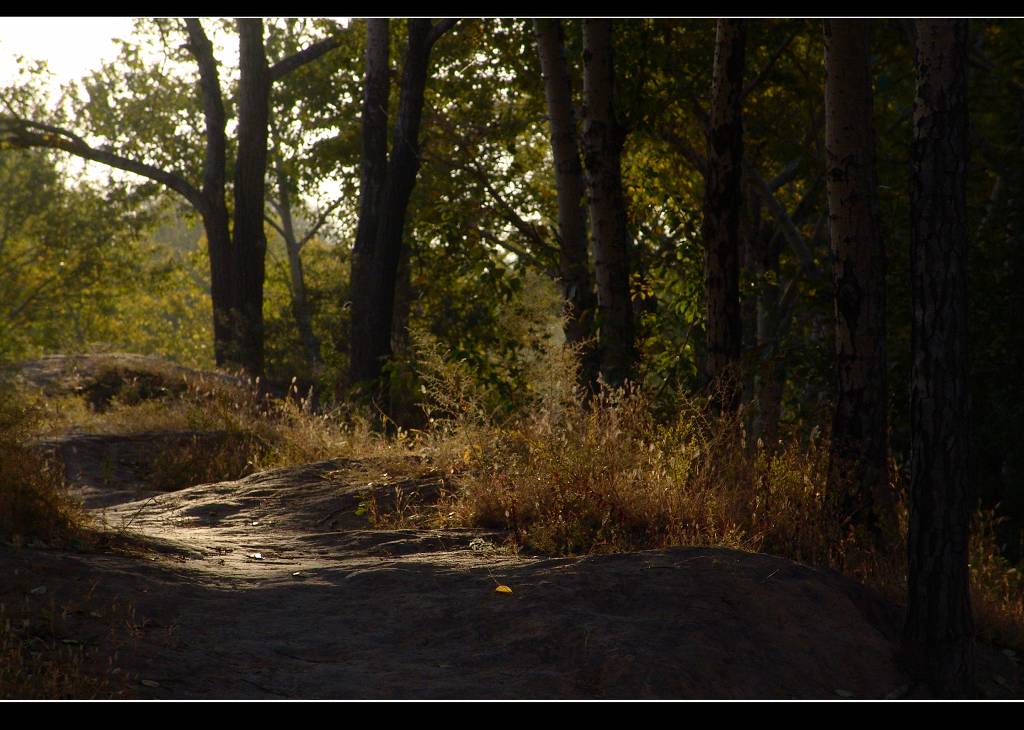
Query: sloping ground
277 585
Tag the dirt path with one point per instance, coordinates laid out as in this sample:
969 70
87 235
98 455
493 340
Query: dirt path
276 586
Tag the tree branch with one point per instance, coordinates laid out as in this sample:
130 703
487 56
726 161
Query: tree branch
680 145
770 64
785 223
440 28
785 175
215 163
307 55
22 133
520 252
319 222
275 225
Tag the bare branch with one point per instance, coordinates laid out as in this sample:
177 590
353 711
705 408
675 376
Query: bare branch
684 148
440 28
319 222
22 133
786 175
307 55
770 64
789 230
518 251
275 225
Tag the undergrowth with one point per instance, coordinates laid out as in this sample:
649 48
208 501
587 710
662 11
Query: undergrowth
568 475
237 428
34 505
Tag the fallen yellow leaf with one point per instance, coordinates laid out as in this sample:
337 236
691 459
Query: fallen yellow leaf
503 589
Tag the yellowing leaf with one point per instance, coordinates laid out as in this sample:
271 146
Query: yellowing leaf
503 589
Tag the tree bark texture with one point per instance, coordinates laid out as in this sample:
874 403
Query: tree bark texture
939 632
858 474
573 258
249 241
723 201
603 140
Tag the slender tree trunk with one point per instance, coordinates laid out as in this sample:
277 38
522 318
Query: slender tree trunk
214 214
603 140
364 356
858 474
723 200
573 260
249 239
771 375
939 634
300 303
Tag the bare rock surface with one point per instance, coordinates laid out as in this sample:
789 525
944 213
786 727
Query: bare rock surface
278 585
101 376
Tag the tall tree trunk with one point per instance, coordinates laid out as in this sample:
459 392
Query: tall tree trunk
300 302
373 296
249 239
376 90
573 260
939 633
723 200
213 205
858 475
603 139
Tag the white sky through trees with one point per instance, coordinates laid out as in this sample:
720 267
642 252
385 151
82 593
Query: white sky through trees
70 46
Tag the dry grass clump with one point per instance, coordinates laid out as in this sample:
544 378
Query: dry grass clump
997 587
36 664
243 429
564 478
608 477
34 505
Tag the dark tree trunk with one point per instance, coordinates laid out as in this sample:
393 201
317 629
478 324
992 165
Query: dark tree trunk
249 239
771 373
213 207
300 302
939 634
573 260
364 358
403 302
603 139
373 296
723 200
858 474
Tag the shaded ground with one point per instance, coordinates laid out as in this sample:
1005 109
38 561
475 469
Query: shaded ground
277 586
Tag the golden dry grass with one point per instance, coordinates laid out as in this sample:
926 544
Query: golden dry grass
566 479
34 505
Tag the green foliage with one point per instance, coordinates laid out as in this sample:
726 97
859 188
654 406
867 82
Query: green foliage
81 265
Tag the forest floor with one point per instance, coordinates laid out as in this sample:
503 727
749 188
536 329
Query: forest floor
281 585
